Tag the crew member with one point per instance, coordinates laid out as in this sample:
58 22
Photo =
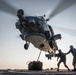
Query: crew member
62 57
73 51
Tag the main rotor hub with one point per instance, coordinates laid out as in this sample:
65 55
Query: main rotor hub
20 11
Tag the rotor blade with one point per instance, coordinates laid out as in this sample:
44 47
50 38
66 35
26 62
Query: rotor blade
6 7
66 30
64 4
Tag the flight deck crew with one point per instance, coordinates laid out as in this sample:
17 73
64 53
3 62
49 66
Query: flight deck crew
73 51
62 57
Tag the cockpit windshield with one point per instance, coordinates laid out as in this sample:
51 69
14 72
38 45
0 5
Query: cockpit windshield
37 18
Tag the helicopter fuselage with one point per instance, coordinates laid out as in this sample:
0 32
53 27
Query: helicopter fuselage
35 30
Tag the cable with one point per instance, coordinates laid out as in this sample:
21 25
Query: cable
39 55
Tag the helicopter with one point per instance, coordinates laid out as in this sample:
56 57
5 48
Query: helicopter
35 29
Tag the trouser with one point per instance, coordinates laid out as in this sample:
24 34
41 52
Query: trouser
64 62
74 62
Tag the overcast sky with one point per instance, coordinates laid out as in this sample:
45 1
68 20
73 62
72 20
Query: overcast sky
12 52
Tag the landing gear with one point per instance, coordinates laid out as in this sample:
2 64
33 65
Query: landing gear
52 41
26 46
50 55
53 45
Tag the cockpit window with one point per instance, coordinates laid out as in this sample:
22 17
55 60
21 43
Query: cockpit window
40 17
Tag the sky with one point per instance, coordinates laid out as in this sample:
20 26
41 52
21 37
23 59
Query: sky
12 52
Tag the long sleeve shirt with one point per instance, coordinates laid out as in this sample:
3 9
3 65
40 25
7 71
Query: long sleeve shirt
73 51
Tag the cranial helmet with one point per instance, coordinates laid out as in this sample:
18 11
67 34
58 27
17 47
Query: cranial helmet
71 46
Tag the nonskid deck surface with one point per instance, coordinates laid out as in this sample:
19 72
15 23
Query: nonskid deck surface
44 72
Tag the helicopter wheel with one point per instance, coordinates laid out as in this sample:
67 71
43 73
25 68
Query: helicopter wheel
26 46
